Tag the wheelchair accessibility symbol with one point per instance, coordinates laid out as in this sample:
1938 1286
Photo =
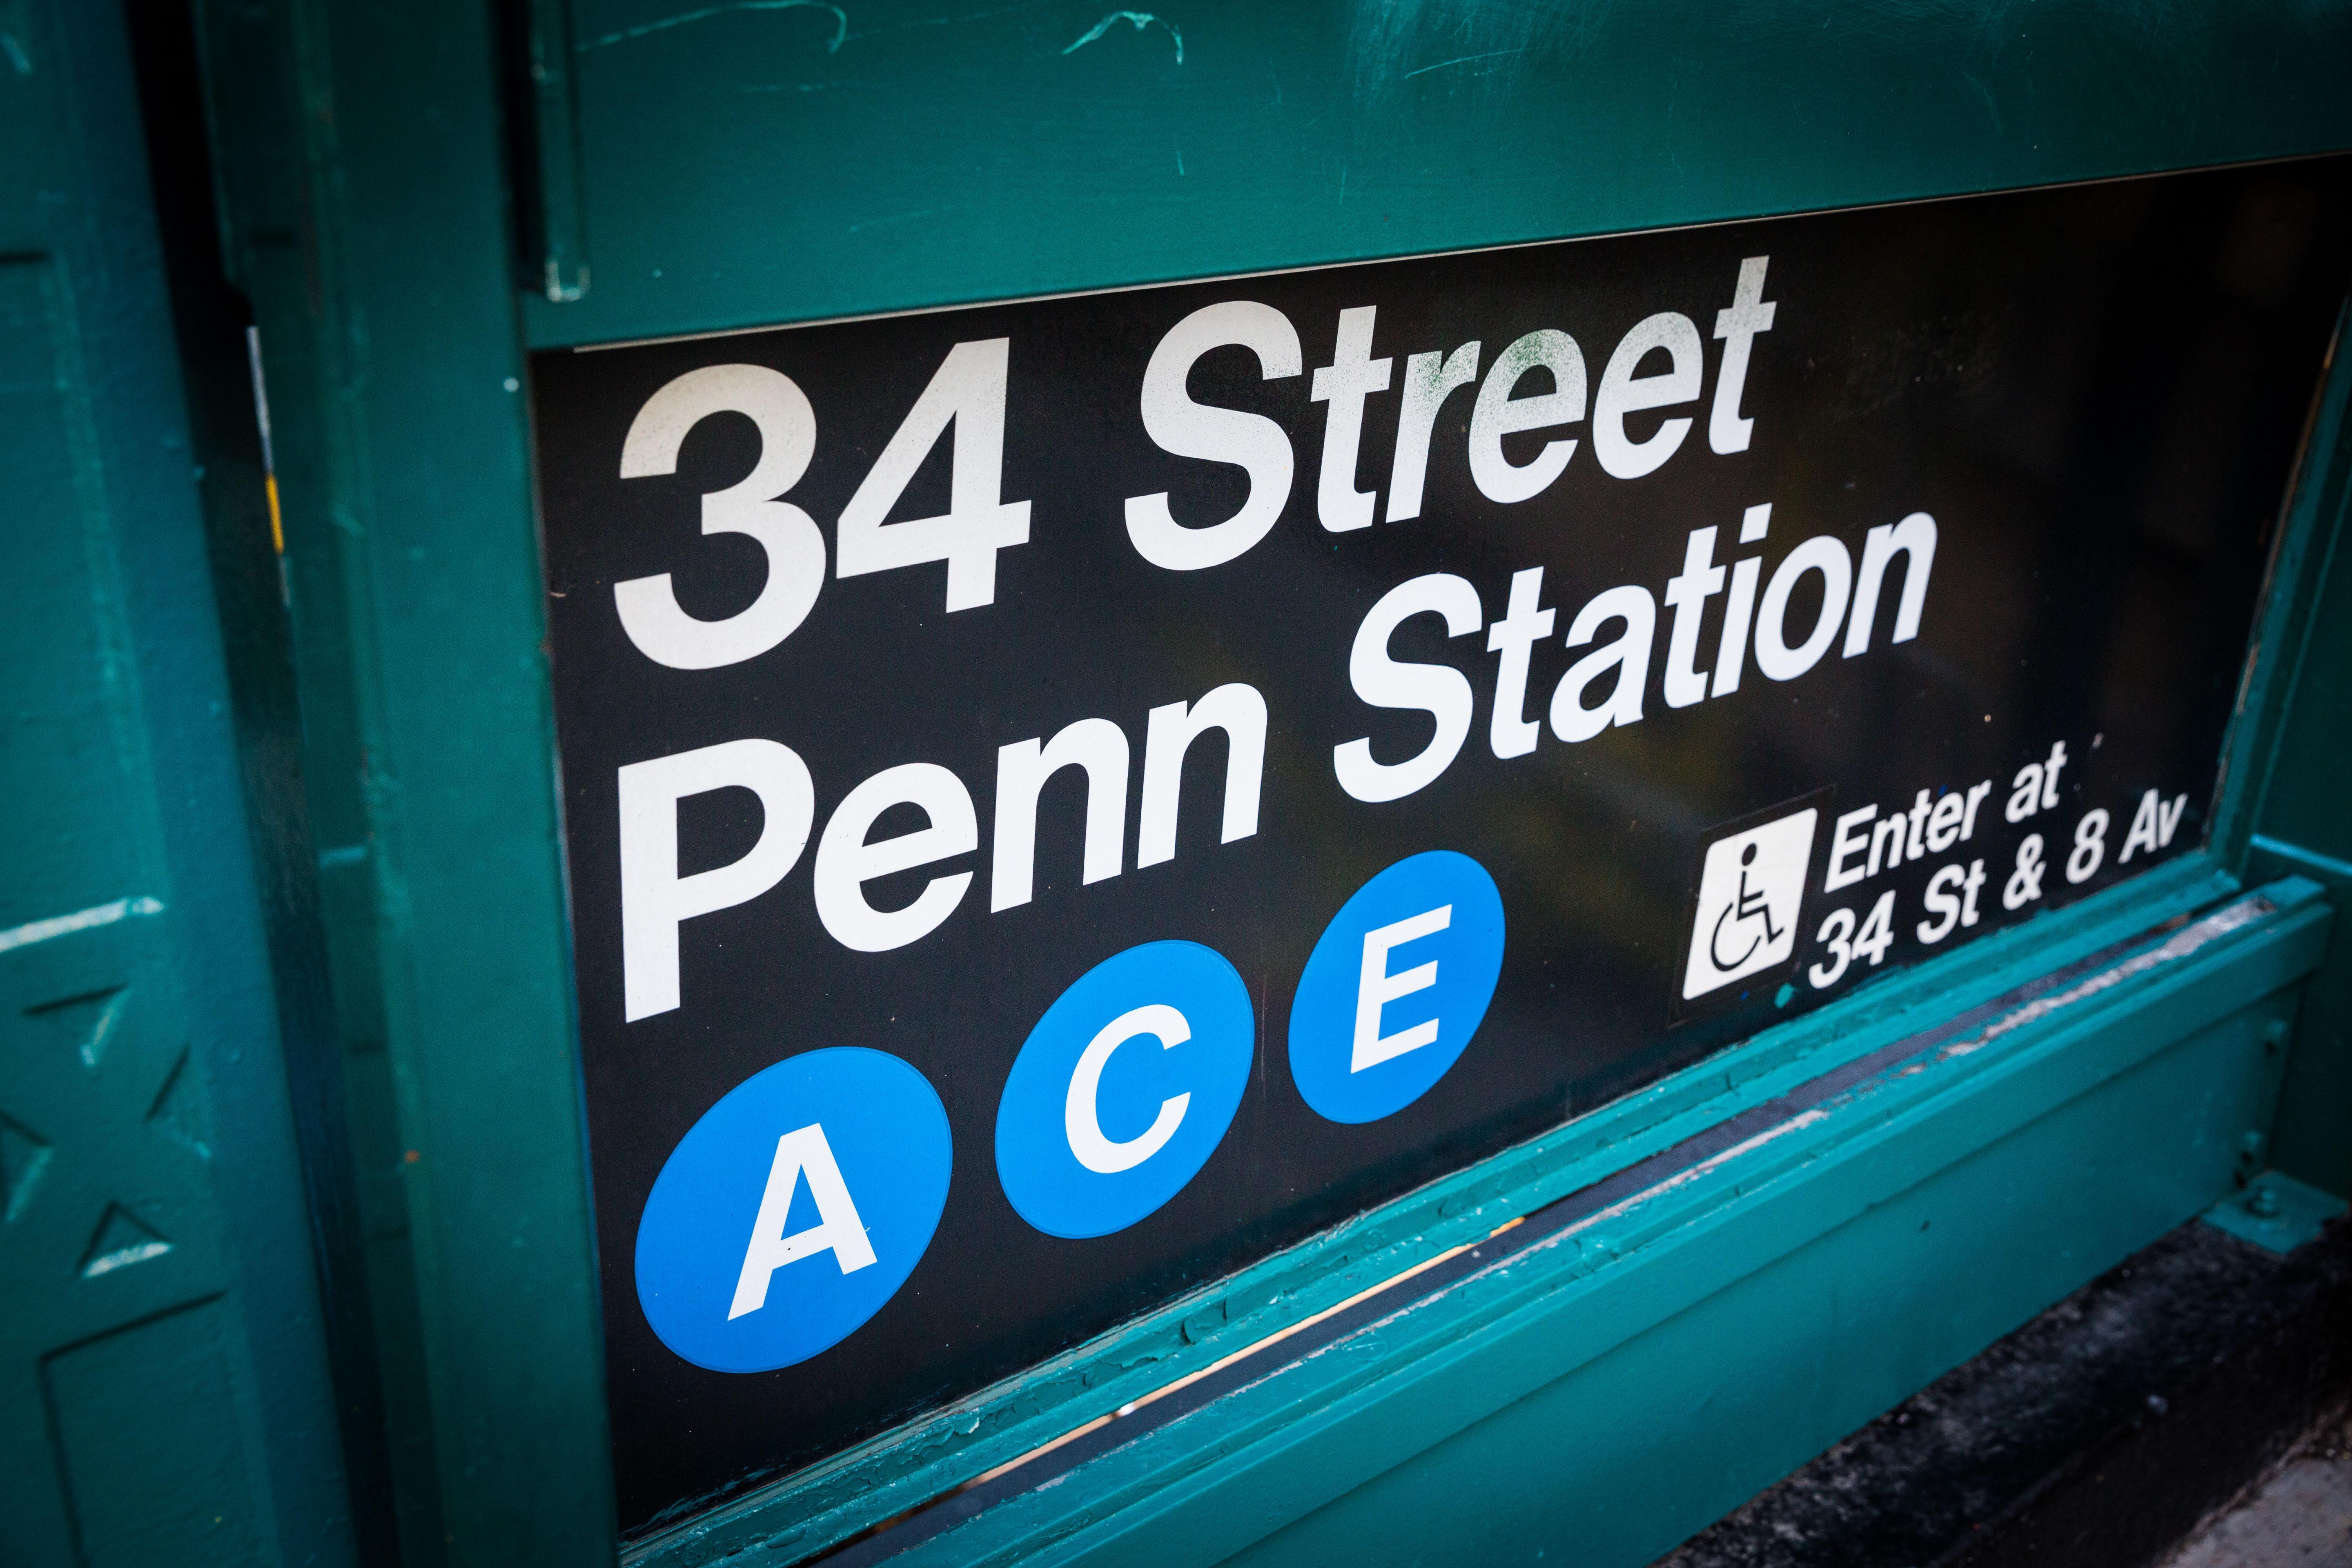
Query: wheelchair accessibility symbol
1751 888
1753 912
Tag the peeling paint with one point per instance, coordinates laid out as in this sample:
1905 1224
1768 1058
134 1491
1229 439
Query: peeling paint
80 920
2178 946
1142 20
644 29
1683 1178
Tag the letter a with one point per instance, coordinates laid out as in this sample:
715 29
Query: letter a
2025 793
839 1230
2143 828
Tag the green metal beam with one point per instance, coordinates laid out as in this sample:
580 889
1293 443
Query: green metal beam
744 164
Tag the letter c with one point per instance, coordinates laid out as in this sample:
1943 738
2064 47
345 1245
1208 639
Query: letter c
1095 1152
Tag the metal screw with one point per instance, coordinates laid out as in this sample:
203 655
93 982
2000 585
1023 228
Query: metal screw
2262 1203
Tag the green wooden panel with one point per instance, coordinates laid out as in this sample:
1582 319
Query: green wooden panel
755 162
164 1386
2312 1138
364 202
207 1508
2298 799
61 723
260 157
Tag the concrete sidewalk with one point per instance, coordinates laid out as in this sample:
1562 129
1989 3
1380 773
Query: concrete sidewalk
2299 1518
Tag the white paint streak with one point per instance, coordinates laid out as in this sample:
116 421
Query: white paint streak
80 920
1140 19
1462 60
2178 946
139 1253
840 21
1684 1177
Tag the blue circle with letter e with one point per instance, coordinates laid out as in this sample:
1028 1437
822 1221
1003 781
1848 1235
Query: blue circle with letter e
1123 1089
1396 985
794 1210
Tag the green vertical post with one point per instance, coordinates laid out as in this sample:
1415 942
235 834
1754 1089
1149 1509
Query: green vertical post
366 204
164 1395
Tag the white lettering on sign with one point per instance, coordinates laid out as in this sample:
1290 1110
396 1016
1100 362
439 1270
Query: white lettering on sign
1343 383
1739 610
1428 380
846 862
1080 1123
968 392
1537 384
1823 554
1509 732
654 898
1736 325
1624 390
2035 787
1624 659
1251 442
1688 596
1862 844
751 506
799 1154
1952 898
1240 713
1437 690
1099 748
2153 824
1377 988
1500 412
1913 538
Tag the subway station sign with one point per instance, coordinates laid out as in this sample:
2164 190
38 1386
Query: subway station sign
1065 798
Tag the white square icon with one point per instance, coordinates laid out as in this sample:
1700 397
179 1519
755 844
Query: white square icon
1750 889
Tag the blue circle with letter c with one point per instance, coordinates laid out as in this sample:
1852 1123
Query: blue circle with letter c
1396 985
793 1209
1124 1089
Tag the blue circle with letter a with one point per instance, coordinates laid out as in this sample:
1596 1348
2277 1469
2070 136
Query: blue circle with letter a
1396 985
794 1210
1124 1089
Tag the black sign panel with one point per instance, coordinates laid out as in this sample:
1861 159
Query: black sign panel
1068 798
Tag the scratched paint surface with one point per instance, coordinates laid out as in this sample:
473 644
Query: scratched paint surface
757 161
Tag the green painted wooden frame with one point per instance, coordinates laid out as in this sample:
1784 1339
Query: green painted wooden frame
1971 1099
398 265
167 1382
